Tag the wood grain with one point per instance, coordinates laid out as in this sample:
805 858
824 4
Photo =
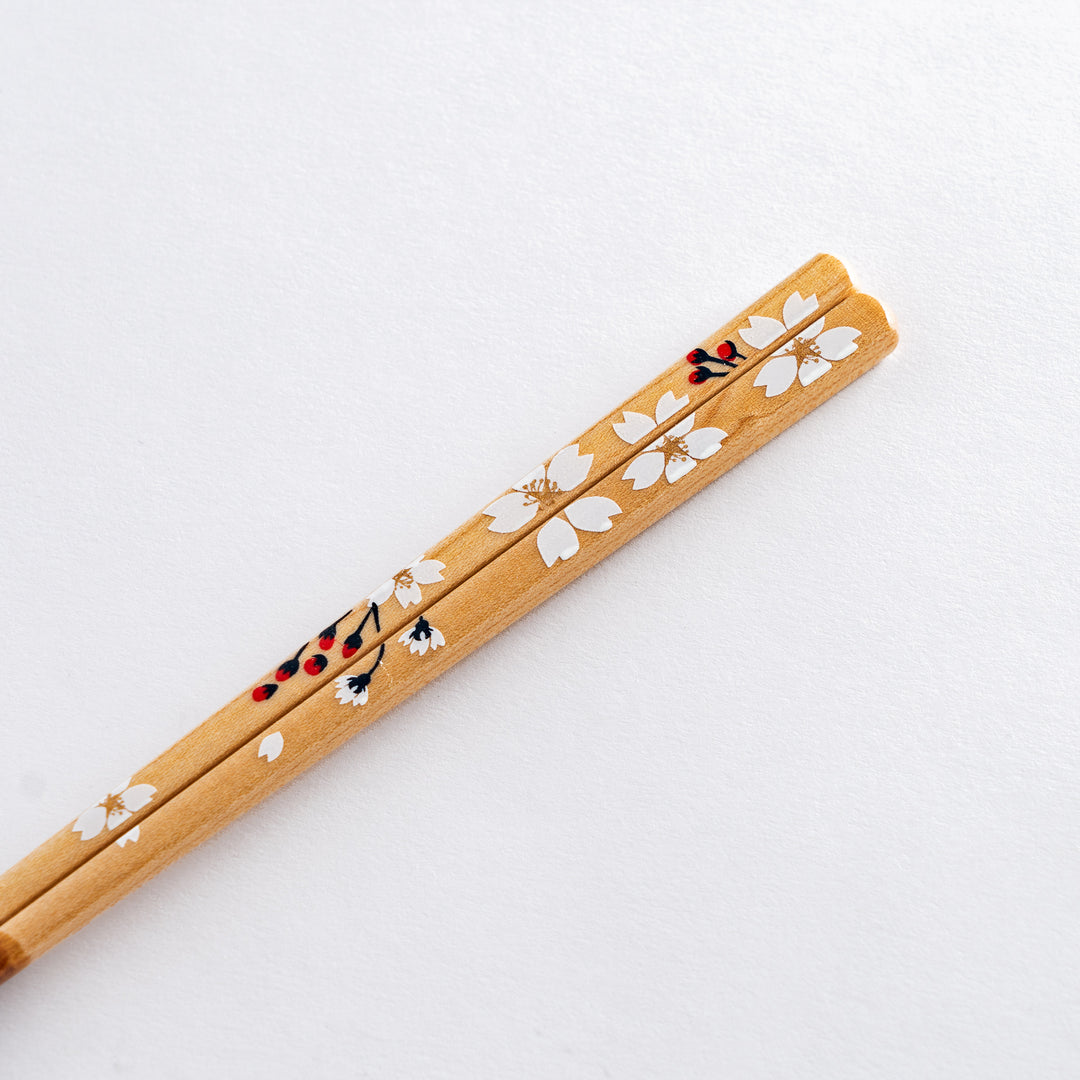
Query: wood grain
495 596
462 553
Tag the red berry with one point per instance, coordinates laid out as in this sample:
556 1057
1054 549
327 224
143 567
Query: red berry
725 350
326 641
697 377
347 651
261 693
314 664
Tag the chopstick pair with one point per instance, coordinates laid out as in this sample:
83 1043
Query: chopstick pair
803 341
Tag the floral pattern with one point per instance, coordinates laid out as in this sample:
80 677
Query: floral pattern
404 586
807 356
123 801
558 538
353 689
422 637
675 452
541 488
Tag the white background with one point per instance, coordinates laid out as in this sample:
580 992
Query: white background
787 787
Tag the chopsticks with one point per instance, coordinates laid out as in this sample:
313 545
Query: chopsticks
642 461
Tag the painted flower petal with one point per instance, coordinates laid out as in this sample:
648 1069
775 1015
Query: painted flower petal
382 593
90 822
762 331
404 639
408 594
812 330
592 513
678 467
634 428
128 838
120 788
556 540
436 638
346 695
809 370
419 645
796 309
669 405
427 571
682 427
511 511
271 746
135 798
704 442
644 470
838 342
117 817
777 374
568 468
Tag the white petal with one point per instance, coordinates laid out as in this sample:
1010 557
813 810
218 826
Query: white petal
120 788
678 468
644 470
271 746
361 698
568 468
777 374
634 428
135 798
404 639
128 838
511 511
408 594
669 405
592 513
809 370
427 572
704 442
419 645
90 822
117 817
533 477
762 331
682 427
436 638
796 309
344 693
838 342
812 330
382 593
556 540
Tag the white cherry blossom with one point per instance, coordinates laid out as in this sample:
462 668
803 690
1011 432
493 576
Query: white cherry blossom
675 452
123 801
405 584
558 539
566 471
808 355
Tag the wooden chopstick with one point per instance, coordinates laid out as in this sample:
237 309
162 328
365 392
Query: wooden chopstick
767 324
671 462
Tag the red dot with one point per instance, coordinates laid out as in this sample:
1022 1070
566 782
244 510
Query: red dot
314 664
697 377
347 650
326 642
725 350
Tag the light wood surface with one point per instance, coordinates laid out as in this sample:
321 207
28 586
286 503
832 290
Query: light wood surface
749 413
461 554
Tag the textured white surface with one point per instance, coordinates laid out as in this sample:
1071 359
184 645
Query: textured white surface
786 787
